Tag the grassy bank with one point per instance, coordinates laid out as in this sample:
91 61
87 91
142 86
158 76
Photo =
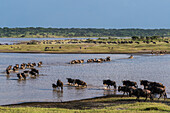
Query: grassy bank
86 48
109 104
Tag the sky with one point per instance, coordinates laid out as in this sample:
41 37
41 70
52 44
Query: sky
117 14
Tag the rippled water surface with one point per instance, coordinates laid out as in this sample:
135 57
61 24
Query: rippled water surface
55 66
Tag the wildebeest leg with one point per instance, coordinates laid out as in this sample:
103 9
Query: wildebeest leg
151 97
144 87
123 94
137 98
160 96
146 97
115 87
165 95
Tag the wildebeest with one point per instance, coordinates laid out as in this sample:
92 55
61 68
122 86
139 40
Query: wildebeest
72 62
71 81
77 61
17 66
125 89
28 65
89 60
108 58
131 57
109 83
35 70
9 67
145 83
7 72
39 64
158 90
156 84
58 84
21 76
22 67
80 82
33 73
129 83
81 61
14 68
138 92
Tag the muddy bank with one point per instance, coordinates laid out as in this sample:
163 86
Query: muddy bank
91 103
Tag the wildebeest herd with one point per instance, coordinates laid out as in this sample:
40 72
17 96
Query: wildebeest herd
130 87
33 72
72 82
100 60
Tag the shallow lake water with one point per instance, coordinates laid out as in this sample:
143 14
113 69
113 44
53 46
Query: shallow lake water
55 66
18 40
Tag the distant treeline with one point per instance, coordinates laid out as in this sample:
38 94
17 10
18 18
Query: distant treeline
80 32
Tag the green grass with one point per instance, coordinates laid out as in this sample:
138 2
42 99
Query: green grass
148 107
87 48
128 108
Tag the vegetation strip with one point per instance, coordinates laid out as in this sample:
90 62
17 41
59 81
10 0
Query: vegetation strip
40 32
152 45
112 103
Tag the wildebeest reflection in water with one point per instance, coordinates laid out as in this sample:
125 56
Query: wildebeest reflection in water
58 94
109 92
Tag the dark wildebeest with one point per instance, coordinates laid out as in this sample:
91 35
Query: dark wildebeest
109 83
39 64
22 67
21 76
72 62
7 72
35 70
80 82
26 71
157 88
17 66
129 83
28 65
71 81
89 60
108 58
125 89
145 83
77 61
9 67
138 92
58 84
14 68
156 84
32 73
